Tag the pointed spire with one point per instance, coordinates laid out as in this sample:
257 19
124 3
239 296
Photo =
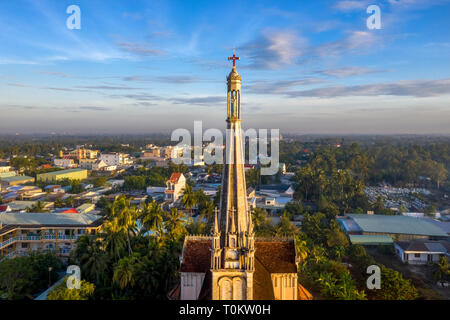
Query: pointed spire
216 224
250 223
233 225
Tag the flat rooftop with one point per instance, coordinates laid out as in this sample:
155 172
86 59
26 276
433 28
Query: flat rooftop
16 178
396 225
55 173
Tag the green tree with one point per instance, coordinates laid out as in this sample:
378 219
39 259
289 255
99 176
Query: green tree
285 227
174 224
37 207
61 292
189 198
124 272
152 218
100 182
394 286
126 215
115 239
16 278
91 257
442 272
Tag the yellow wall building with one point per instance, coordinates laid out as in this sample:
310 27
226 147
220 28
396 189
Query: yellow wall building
72 174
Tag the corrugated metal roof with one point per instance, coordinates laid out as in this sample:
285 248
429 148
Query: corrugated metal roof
55 173
435 247
16 178
396 224
46 218
370 239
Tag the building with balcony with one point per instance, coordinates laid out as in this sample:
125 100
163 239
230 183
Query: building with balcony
175 186
21 233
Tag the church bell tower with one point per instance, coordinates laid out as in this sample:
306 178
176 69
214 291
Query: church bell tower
233 247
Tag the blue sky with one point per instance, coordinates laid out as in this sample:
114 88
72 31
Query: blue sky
149 66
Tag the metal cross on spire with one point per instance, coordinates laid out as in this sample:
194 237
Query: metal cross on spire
234 58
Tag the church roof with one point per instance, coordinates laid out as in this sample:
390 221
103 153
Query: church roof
271 256
276 256
196 256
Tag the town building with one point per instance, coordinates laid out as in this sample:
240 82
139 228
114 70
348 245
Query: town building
100 165
4 169
86 163
398 227
170 152
15 181
114 159
72 174
175 187
64 163
23 205
155 152
21 233
6 174
231 264
422 251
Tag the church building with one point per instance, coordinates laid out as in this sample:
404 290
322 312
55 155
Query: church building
231 263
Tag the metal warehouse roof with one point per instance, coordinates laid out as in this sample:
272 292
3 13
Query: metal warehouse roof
46 218
396 224
16 178
65 171
370 239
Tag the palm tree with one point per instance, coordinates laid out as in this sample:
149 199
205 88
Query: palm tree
115 240
70 201
59 203
259 217
302 249
124 273
174 223
189 198
152 217
126 217
207 211
201 197
93 260
37 207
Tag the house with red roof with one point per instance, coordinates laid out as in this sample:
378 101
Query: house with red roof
175 186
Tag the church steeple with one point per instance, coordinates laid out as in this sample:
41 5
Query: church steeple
233 262
234 92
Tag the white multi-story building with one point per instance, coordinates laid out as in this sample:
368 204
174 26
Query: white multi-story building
64 163
175 186
114 159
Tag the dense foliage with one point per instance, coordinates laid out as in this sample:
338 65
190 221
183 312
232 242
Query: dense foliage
22 277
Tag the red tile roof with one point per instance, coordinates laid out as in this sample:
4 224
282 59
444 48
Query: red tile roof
175 177
73 210
196 256
3 208
276 256
270 257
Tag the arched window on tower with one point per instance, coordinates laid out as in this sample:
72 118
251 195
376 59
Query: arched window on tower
226 290
233 104
238 289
